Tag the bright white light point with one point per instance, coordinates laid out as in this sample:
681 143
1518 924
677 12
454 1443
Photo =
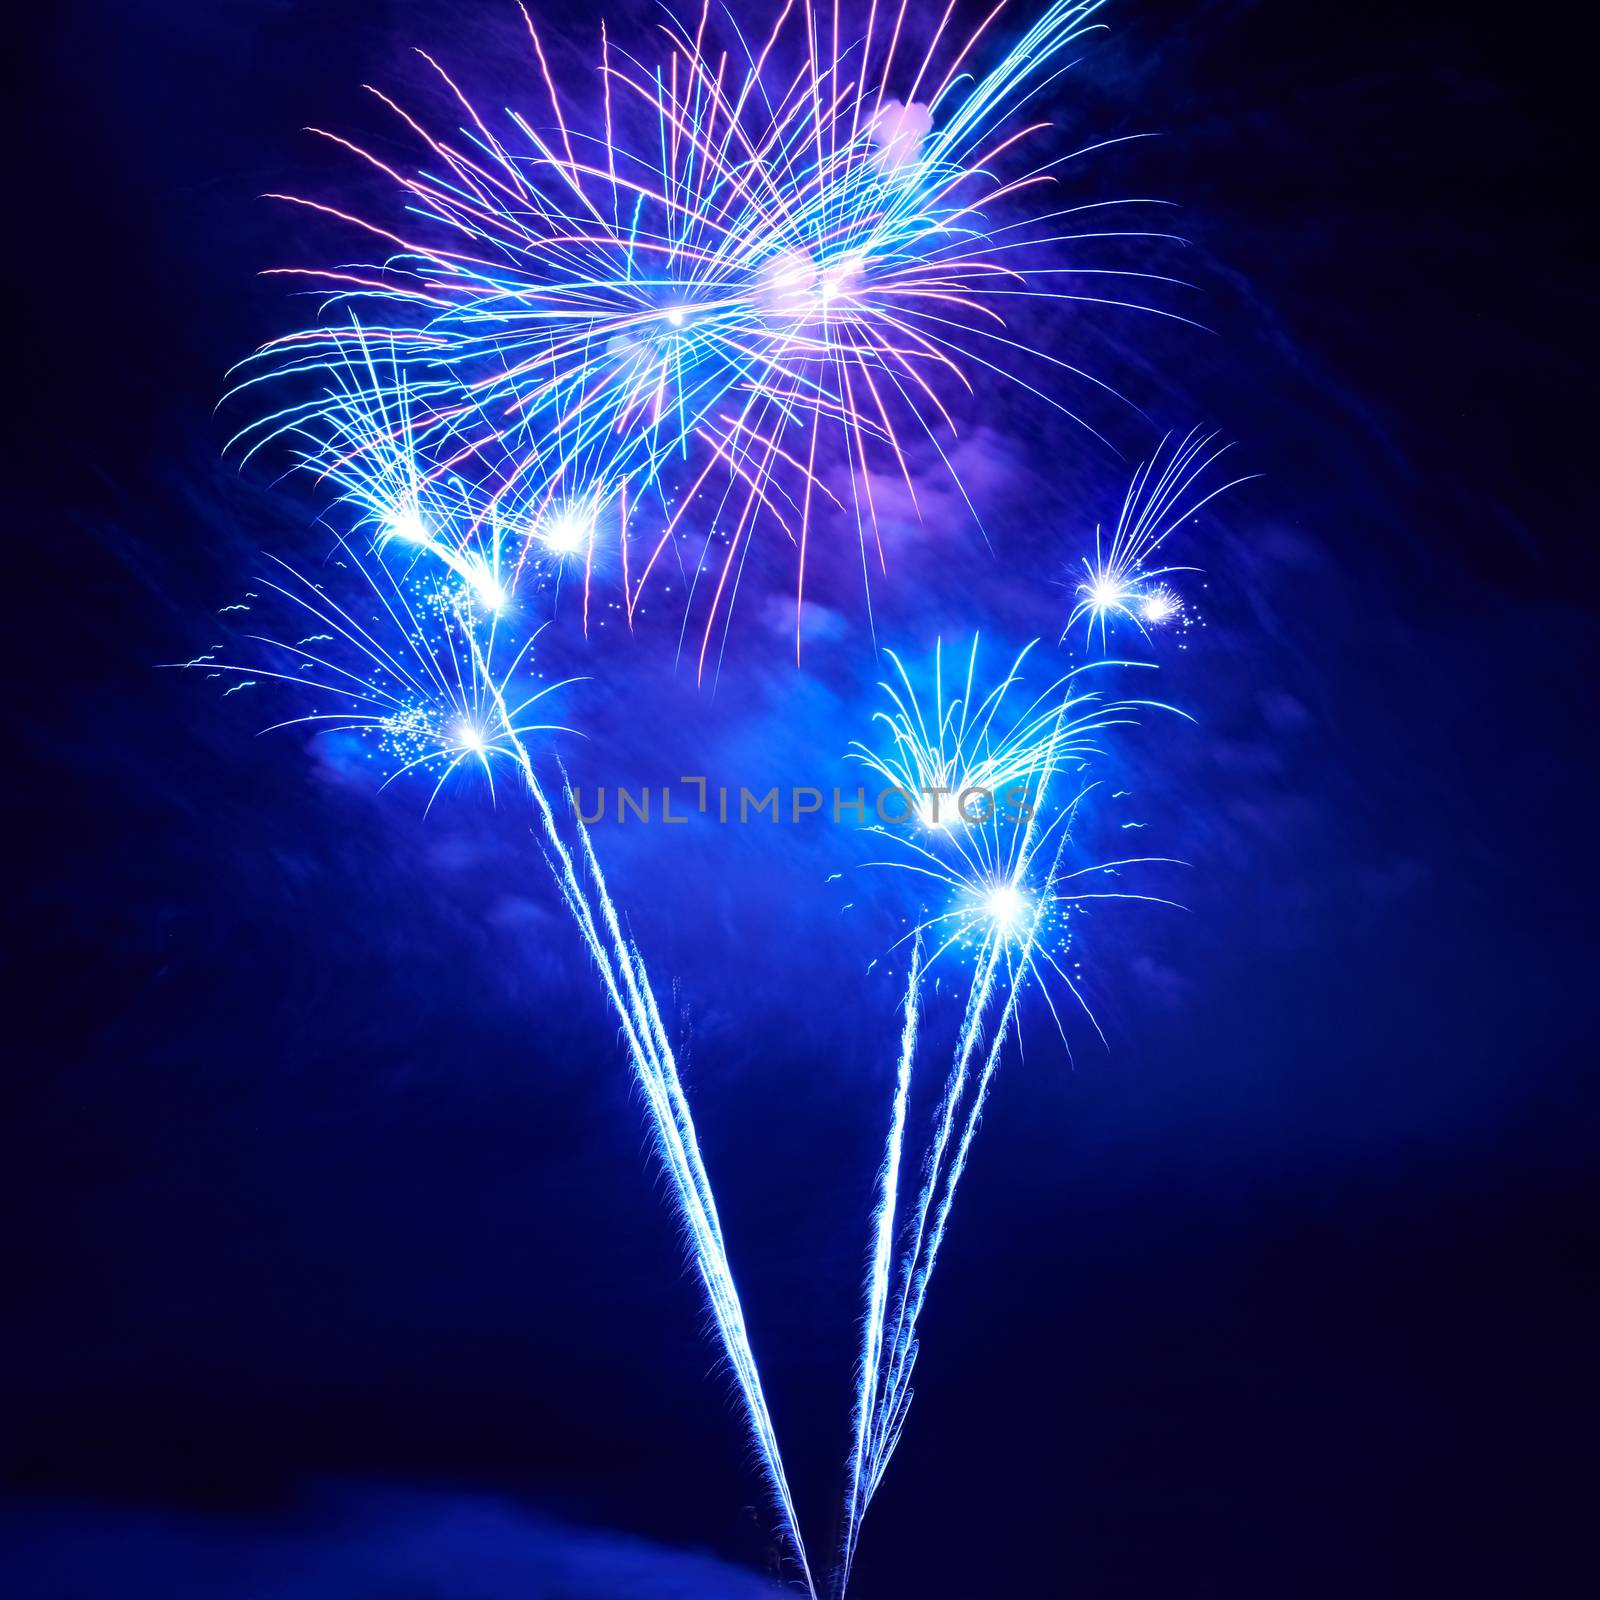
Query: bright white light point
1105 594
1005 903
1158 607
675 316
563 533
471 737
837 278
489 592
406 526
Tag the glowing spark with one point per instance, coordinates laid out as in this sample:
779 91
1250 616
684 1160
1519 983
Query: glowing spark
406 525
1104 596
1159 606
1005 905
565 532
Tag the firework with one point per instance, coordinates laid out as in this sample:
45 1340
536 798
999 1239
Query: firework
1001 897
942 757
1125 579
725 295
745 283
413 664
409 657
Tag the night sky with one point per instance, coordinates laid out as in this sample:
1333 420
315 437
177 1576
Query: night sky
337 1265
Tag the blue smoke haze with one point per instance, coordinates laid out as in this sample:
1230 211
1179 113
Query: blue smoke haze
345 1540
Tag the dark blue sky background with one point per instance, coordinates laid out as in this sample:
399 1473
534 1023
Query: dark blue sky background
336 1262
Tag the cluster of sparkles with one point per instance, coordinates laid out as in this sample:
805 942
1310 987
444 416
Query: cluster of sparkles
1003 897
1123 580
813 250
409 660
427 508
409 734
1161 606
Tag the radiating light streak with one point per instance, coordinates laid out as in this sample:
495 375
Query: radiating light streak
937 755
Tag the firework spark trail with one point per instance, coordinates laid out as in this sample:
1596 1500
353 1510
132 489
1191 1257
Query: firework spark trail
878 1281
1157 501
677 1142
1018 961
900 1353
897 1393
682 1146
896 1348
